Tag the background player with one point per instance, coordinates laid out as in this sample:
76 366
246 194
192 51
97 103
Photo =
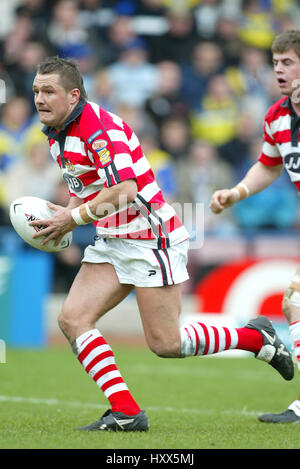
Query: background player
280 149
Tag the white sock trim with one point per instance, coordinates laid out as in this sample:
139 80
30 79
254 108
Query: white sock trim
295 407
84 339
197 338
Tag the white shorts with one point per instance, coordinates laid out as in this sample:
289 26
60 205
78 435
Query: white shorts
139 265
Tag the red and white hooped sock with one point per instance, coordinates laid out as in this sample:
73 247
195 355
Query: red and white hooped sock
98 360
202 339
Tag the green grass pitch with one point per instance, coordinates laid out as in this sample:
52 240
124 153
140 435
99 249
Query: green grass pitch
193 403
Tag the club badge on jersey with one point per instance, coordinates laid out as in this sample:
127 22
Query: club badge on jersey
70 166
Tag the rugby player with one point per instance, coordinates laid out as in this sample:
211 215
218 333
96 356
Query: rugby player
141 245
280 150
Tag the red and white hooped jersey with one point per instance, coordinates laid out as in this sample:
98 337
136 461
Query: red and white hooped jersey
281 139
97 149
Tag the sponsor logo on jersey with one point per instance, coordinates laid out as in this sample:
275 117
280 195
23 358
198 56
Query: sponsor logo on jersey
104 156
99 144
103 153
74 183
292 162
94 135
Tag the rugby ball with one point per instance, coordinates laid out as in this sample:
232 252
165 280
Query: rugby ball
26 209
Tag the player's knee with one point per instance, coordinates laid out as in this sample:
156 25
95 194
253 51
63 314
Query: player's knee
165 349
67 322
64 323
291 304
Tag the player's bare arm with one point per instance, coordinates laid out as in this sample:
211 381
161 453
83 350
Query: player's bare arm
74 202
111 199
257 179
108 201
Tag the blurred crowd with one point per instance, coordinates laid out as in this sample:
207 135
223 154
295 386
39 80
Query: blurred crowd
193 78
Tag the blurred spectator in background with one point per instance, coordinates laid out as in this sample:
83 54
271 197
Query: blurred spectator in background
257 24
16 39
65 32
234 150
167 100
217 120
150 8
7 17
207 14
101 91
180 38
198 176
250 81
39 12
132 77
150 21
119 34
136 118
34 175
206 61
87 61
175 137
97 15
25 70
162 164
227 37
16 127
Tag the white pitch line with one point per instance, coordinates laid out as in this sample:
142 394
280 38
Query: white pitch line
56 402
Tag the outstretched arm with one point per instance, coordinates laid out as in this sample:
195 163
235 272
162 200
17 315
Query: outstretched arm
256 180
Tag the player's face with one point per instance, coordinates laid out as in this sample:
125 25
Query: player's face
287 71
52 101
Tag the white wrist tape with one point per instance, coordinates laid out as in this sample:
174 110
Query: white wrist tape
241 190
90 214
77 217
245 187
236 192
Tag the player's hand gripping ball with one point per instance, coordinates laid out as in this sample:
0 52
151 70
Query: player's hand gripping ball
26 209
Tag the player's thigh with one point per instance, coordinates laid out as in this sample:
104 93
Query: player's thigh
96 289
160 308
